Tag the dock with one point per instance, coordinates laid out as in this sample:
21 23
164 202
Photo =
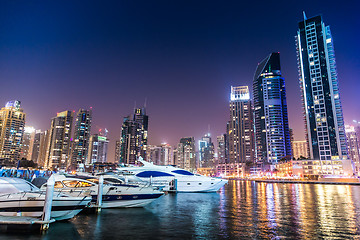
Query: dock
16 223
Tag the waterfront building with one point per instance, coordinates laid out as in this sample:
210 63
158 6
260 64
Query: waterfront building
206 152
12 123
133 139
353 146
40 145
167 154
272 137
324 123
154 154
82 133
117 151
186 157
241 135
27 143
300 149
221 148
143 120
58 154
160 155
98 148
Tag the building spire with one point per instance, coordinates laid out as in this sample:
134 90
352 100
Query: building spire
305 18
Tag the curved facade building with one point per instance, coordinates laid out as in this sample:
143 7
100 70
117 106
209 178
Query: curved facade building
272 137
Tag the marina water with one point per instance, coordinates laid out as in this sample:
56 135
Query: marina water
240 210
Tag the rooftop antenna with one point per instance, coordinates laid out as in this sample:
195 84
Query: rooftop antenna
145 105
209 129
305 18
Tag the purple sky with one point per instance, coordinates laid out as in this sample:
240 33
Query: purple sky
182 56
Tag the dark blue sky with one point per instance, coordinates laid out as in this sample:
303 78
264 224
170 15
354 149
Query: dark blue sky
182 56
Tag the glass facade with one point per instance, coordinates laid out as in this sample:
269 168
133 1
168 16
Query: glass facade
324 123
272 137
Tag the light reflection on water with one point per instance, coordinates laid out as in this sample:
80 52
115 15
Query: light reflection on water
241 210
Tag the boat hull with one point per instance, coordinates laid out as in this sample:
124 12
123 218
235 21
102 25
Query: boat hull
33 207
126 201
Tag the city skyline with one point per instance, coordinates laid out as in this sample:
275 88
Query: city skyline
231 65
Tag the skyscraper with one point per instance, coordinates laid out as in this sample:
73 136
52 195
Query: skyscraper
12 122
272 137
221 148
300 149
133 139
353 146
240 128
40 146
27 143
186 157
117 151
324 123
206 152
98 148
59 141
82 131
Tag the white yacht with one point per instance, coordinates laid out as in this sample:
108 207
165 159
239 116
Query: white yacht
114 195
19 197
172 179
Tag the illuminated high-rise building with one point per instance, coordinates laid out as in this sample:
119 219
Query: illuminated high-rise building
324 123
133 139
58 155
12 123
40 146
240 127
117 151
353 145
221 148
300 149
98 148
272 137
186 157
27 143
80 145
206 152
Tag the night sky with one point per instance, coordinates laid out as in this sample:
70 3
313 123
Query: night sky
182 56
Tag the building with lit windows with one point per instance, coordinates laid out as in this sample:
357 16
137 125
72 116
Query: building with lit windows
40 147
98 149
324 123
185 153
12 123
241 135
272 137
133 139
27 143
82 133
300 149
206 152
353 146
58 155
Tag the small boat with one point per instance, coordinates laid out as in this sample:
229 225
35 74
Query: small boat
173 179
117 195
19 197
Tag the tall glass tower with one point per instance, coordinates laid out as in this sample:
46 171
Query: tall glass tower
240 132
324 123
272 136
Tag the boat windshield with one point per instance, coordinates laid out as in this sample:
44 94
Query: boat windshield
15 185
183 172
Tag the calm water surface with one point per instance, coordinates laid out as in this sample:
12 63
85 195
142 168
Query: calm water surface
241 210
